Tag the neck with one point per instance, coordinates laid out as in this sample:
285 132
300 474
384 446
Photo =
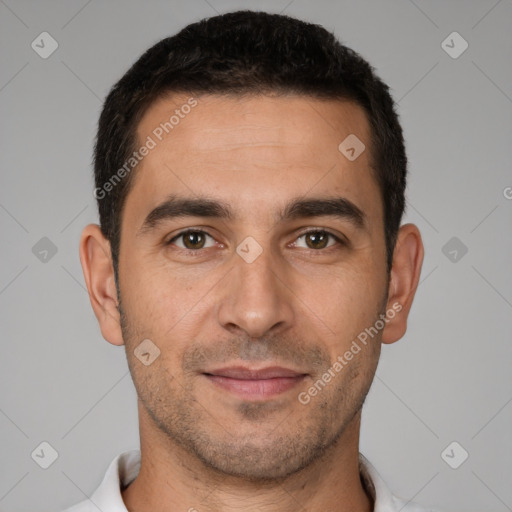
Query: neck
170 478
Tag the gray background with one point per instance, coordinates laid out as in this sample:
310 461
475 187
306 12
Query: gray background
449 379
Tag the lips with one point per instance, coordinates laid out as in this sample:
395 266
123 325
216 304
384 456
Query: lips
242 373
252 384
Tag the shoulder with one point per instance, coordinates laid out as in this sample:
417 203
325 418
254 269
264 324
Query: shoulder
122 470
383 498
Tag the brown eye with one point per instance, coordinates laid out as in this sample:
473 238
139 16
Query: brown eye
318 239
191 240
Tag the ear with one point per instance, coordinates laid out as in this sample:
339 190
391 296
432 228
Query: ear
96 259
404 279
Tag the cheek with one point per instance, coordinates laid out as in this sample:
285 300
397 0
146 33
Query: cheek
350 301
147 297
164 304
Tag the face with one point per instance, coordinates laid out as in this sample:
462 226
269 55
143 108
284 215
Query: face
253 255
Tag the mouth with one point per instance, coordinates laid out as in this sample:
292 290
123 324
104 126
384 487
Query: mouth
251 384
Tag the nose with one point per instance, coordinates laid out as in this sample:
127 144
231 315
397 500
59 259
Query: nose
256 297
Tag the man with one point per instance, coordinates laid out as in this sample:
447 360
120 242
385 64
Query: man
250 175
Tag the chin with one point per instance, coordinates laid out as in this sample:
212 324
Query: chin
258 460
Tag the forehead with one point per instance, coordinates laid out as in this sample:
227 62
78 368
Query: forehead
245 148
233 120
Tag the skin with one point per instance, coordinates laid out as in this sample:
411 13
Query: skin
298 305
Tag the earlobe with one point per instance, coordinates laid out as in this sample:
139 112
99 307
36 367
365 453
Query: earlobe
404 279
96 260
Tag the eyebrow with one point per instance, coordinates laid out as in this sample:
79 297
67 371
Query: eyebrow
339 207
175 207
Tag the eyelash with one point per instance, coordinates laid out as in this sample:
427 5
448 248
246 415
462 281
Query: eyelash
198 251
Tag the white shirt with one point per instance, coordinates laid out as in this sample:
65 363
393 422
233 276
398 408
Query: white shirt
125 468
